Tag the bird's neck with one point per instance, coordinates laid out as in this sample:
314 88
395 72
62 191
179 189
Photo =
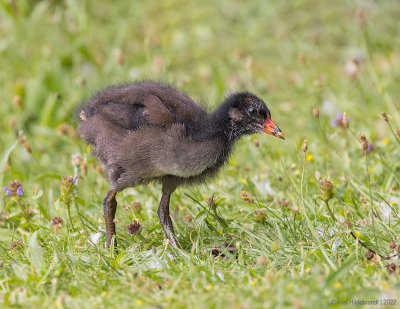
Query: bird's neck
216 126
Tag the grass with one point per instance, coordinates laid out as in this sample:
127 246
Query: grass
290 251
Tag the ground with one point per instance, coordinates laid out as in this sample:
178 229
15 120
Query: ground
300 218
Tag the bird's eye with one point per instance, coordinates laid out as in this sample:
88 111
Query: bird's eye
252 111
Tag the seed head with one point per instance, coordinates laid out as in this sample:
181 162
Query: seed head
365 146
65 129
284 203
352 68
326 189
393 245
369 255
134 228
391 268
76 159
17 245
304 146
256 143
136 206
361 17
21 137
84 168
188 217
56 221
261 260
17 100
29 213
385 117
260 215
212 202
348 223
345 121
237 53
246 196
68 188
99 169
13 122
249 63
119 57
27 147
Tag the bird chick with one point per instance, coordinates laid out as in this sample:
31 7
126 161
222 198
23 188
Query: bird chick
150 132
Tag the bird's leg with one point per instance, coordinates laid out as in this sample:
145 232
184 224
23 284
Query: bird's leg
165 219
110 207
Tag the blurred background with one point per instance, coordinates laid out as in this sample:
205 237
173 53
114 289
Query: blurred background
342 57
296 55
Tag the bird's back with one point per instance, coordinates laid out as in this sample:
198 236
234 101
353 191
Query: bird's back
143 103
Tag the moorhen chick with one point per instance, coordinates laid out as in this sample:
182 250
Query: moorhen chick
148 131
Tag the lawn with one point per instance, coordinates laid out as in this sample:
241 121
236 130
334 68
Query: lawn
310 224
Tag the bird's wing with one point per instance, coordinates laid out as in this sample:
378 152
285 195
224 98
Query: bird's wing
183 107
149 110
146 103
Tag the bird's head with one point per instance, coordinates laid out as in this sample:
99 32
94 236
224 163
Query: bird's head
248 114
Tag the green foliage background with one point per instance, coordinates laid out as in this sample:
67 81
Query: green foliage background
341 56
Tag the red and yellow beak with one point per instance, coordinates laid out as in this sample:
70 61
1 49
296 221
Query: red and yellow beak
271 128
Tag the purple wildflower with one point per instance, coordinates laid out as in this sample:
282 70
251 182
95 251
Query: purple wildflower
74 179
20 191
14 189
341 120
8 192
337 121
68 188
